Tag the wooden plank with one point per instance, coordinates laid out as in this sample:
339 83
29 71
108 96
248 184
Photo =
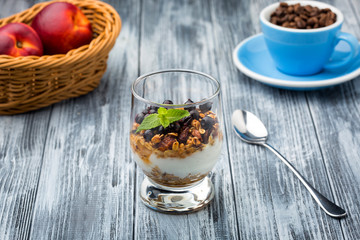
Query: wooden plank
178 34
271 203
8 8
22 139
336 113
86 186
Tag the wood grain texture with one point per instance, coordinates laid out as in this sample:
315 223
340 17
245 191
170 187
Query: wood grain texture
178 34
272 203
66 171
336 113
22 141
86 189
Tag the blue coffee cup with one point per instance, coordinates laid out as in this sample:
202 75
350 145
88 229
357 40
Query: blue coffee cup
306 51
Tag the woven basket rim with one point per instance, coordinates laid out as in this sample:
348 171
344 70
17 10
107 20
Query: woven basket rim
7 61
28 83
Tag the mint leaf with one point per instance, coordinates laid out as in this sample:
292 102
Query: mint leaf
149 122
164 121
164 117
162 111
176 114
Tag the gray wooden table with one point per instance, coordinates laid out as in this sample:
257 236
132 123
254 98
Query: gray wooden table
66 171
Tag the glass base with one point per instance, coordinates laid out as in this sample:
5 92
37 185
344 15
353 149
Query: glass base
176 200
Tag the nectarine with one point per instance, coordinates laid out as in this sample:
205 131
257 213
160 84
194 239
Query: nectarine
19 39
61 27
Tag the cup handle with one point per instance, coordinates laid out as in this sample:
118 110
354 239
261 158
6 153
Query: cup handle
354 45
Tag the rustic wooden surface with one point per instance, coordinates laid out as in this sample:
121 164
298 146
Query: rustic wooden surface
66 171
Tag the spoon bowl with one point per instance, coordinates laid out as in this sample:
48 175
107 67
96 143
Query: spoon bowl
250 129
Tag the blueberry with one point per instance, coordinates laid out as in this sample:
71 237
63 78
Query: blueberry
160 130
139 118
207 122
174 127
195 114
148 134
189 101
177 127
206 107
145 111
181 121
186 120
152 111
154 108
168 102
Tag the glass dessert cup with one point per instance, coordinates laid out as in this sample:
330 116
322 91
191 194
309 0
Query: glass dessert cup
176 138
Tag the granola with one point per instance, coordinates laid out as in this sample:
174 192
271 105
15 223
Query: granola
180 140
171 180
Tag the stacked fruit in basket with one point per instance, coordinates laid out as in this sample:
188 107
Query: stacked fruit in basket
56 29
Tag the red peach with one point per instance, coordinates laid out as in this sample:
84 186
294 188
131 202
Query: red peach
19 39
61 27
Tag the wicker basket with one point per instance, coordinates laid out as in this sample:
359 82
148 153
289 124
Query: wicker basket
29 83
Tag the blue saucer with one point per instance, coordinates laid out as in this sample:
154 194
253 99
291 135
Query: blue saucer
253 59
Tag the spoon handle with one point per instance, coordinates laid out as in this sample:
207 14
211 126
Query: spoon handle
329 207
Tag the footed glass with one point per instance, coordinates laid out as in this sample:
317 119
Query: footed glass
176 137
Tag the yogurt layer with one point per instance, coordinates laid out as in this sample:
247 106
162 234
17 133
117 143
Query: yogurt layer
200 162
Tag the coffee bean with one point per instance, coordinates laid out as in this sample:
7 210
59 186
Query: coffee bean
322 20
279 12
297 8
332 16
302 17
291 17
328 22
308 8
286 24
284 19
325 10
290 9
312 21
300 23
274 20
314 13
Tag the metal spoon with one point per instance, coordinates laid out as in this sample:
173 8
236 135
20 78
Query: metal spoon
251 130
